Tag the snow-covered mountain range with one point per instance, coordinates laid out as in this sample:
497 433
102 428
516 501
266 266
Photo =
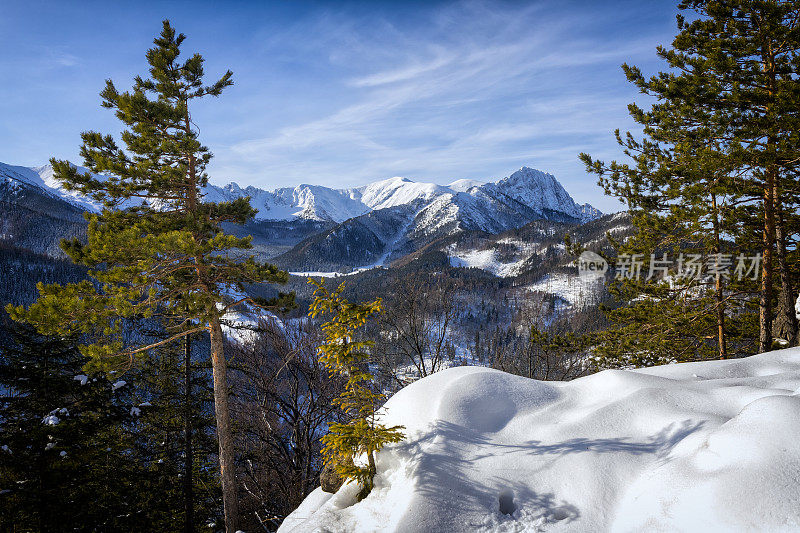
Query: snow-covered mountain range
403 217
526 194
363 226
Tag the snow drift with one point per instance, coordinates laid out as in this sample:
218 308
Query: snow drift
709 446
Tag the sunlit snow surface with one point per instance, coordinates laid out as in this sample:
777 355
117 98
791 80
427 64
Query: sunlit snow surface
485 260
710 446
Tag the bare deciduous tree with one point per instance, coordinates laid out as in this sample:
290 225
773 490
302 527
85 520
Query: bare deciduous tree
414 330
283 405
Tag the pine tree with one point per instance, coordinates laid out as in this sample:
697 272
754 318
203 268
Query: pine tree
362 435
172 435
64 451
156 247
720 149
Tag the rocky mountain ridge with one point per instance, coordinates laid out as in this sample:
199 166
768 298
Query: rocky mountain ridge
359 227
527 193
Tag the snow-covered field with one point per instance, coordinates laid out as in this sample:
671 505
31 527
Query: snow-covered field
574 289
711 446
317 274
485 260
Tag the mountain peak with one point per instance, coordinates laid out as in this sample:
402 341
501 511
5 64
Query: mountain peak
463 185
589 213
525 194
527 172
536 190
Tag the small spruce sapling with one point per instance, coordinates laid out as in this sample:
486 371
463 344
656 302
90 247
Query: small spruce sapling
362 435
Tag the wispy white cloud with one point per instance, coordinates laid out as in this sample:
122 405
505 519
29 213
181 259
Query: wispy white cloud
409 72
58 58
477 89
345 93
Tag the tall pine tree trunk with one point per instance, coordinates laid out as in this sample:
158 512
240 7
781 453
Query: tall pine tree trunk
785 326
188 495
768 238
722 341
224 434
770 183
230 498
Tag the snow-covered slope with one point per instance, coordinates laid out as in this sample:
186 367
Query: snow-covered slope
539 245
42 178
708 446
399 191
463 185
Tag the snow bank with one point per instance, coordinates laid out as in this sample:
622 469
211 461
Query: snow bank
709 446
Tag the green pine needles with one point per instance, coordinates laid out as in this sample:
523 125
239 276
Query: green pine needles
157 248
347 443
714 173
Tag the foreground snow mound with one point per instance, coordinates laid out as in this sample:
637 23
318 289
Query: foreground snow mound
712 446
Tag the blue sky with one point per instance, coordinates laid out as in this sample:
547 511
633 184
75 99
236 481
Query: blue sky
343 93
